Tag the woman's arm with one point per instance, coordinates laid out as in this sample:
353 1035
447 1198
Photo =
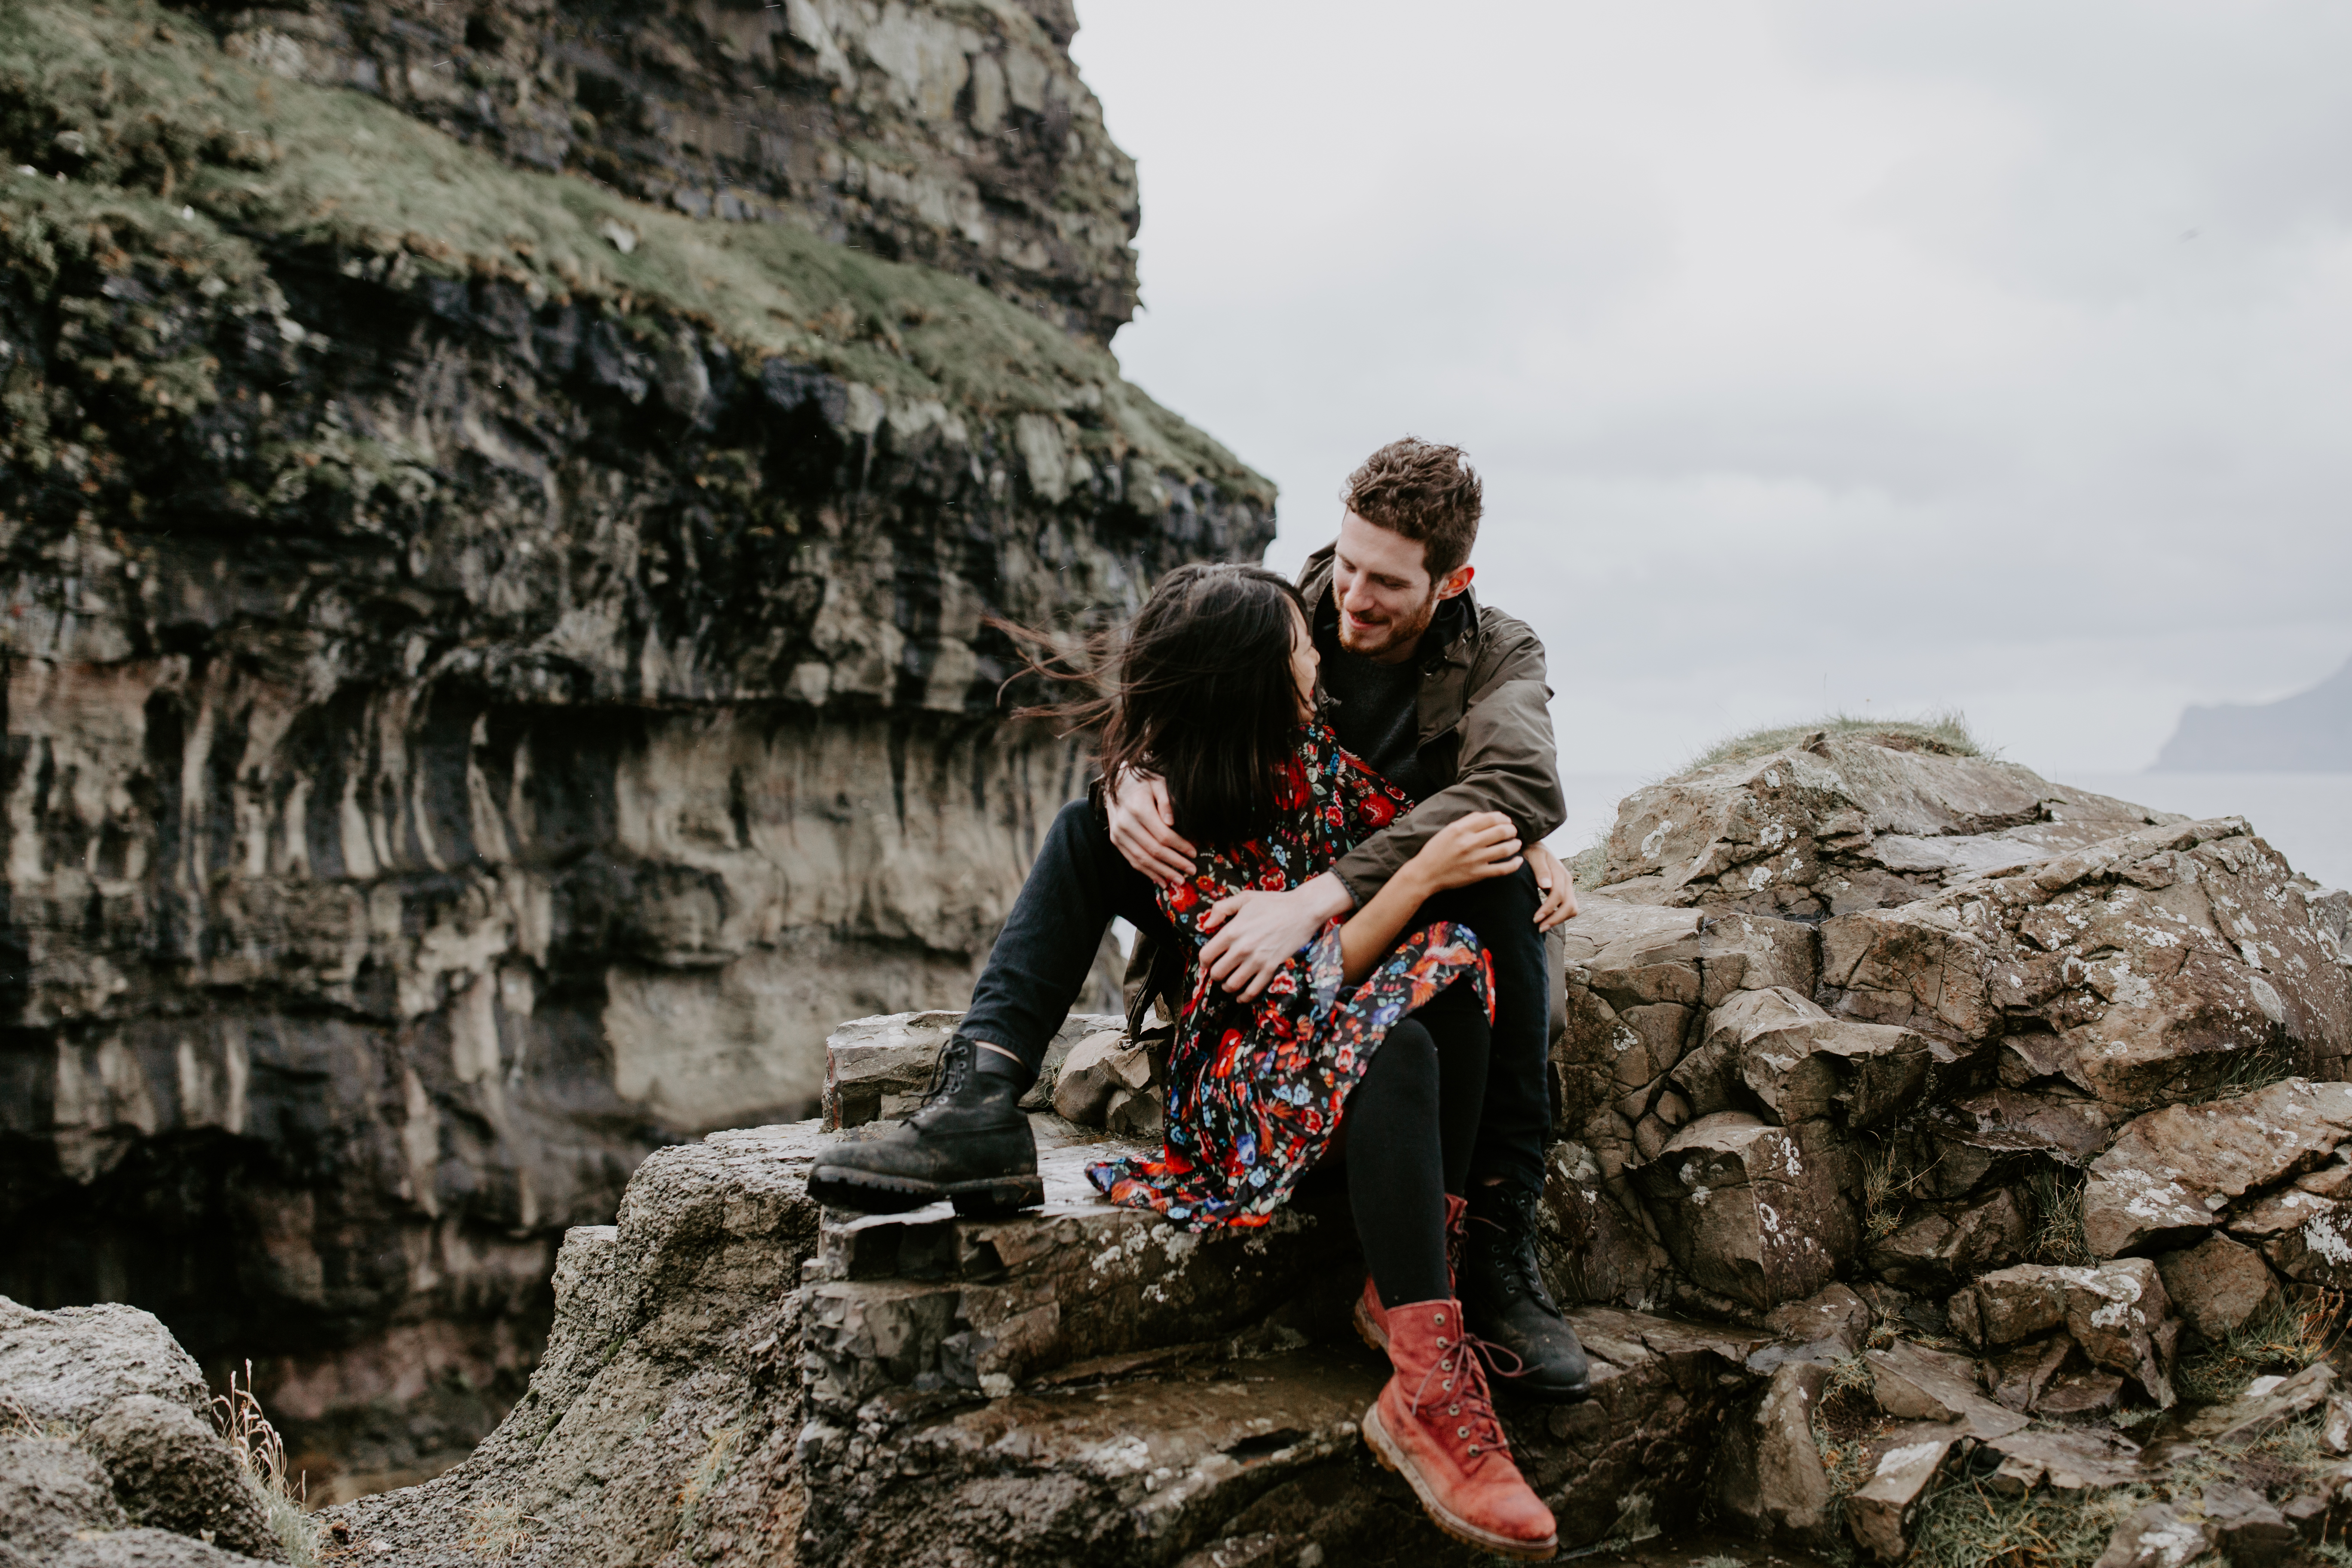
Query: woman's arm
1467 850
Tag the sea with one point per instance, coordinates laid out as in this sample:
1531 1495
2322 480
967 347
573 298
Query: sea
2307 818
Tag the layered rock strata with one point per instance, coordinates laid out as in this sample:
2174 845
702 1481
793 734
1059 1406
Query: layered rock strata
496 667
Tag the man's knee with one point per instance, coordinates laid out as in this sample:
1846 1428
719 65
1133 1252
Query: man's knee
1505 903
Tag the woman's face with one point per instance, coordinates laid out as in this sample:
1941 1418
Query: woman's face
1305 664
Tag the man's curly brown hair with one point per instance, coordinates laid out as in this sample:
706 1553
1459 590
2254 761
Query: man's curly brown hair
1424 491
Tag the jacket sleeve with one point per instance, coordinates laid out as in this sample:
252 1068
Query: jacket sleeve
1506 762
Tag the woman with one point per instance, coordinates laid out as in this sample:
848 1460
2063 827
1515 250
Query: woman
1215 693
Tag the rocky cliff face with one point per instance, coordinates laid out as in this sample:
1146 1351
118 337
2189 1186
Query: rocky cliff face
496 668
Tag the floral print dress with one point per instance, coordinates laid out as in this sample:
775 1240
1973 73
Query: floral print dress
1255 1089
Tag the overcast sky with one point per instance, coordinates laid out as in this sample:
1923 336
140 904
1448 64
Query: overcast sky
1835 354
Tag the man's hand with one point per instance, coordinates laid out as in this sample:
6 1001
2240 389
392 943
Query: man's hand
1559 888
1143 828
1257 932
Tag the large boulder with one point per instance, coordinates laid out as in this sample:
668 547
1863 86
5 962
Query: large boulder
2117 1313
2219 1286
735 1372
172 1471
1759 1214
2170 1174
1833 823
70 1366
2143 967
1798 1063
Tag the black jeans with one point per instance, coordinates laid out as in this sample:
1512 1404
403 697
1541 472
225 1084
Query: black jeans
1080 880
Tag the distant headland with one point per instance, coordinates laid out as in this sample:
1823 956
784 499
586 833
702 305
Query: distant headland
2310 732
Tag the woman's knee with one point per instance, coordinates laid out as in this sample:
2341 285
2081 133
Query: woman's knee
1407 1057
1445 1013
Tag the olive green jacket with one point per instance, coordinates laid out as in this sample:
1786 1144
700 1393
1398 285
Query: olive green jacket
1486 735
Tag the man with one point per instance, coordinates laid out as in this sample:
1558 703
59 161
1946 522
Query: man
1448 702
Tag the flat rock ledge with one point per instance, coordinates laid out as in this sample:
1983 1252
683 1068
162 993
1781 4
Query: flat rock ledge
736 1373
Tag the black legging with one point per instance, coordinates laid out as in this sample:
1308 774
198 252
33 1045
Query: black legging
1411 1121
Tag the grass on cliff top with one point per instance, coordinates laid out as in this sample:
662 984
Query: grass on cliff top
1945 734
163 112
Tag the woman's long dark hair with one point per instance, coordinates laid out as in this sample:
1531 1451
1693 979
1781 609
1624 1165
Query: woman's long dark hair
1198 689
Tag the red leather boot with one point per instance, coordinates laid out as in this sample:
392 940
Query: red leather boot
1435 1424
1372 1318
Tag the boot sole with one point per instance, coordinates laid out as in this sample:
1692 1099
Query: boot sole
865 1191
1369 1330
1391 1457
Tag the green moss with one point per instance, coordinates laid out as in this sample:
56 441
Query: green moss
167 122
1944 733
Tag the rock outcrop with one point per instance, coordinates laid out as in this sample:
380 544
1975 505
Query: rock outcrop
498 647
734 1372
109 1460
2047 1078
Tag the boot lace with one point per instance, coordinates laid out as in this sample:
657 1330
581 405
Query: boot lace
949 1073
1513 1246
1461 1401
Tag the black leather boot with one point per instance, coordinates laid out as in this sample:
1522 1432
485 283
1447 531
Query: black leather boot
968 1141
1504 1301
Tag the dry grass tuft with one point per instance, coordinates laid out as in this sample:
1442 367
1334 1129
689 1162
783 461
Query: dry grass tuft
1887 1185
261 1455
1945 734
1965 1526
500 1530
1590 865
2286 1339
2054 1198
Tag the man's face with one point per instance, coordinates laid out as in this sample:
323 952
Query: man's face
1386 597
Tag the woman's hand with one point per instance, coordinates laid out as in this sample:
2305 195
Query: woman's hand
1468 849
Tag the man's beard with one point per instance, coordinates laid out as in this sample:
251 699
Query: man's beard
1403 632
